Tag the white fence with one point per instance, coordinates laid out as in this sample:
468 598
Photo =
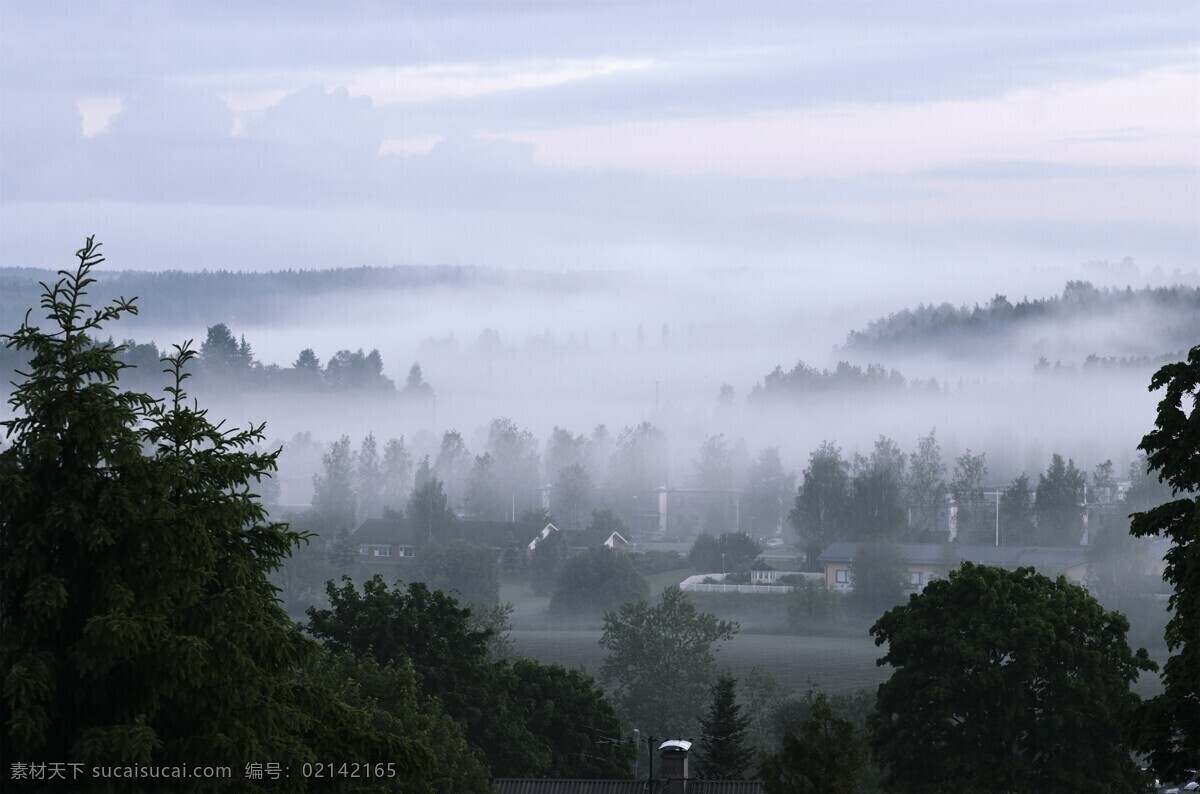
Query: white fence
696 584
735 588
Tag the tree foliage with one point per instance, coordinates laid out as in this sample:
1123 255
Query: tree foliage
428 510
335 505
546 562
732 552
967 487
1006 681
519 720
1058 506
824 753
431 631
595 581
714 467
386 699
768 495
571 495
468 571
1173 450
139 626
878 575
1016 512
877 493
927 487
567 711
723 752
660 663
822 508
639 460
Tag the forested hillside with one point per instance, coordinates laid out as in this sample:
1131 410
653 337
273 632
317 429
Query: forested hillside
208 296
1170 314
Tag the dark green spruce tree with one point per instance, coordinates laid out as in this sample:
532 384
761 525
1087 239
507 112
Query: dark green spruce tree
724 753
137 624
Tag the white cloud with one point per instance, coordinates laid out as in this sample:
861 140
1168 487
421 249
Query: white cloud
97 112
408 147
409 85
1149 119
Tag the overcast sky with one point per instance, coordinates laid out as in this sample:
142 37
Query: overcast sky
921 139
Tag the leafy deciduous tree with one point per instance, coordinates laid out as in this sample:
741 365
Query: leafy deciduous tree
1016 512
571 495
926 487
714 467
567 711
732 552
596 581
334 505
1006 681
1058 505
545 563
878 575
605 522
369 475
453 466
768 494
967 488
482 500
517 465
877 492
397 474
430 630
468 571
660 661
428 511
822 507
1173 738
826 754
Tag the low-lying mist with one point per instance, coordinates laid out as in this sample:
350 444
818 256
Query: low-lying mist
690 354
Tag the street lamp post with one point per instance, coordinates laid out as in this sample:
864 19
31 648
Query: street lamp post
997 517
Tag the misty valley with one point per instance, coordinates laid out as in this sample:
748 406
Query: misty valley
553 487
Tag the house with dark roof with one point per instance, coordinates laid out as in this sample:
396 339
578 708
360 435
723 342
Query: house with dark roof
927 561
580 539
389 540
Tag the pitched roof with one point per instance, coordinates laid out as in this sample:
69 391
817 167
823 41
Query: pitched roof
486 533
383 530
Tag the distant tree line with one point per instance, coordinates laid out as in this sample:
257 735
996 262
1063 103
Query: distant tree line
171 296
846 378
963 329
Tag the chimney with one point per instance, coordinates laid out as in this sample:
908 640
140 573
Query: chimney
674 753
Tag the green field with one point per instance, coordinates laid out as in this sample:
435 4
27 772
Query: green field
835 664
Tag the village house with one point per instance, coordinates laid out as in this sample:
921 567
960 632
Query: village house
925 562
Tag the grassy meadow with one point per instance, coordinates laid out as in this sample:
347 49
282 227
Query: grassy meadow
834 664
844 662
